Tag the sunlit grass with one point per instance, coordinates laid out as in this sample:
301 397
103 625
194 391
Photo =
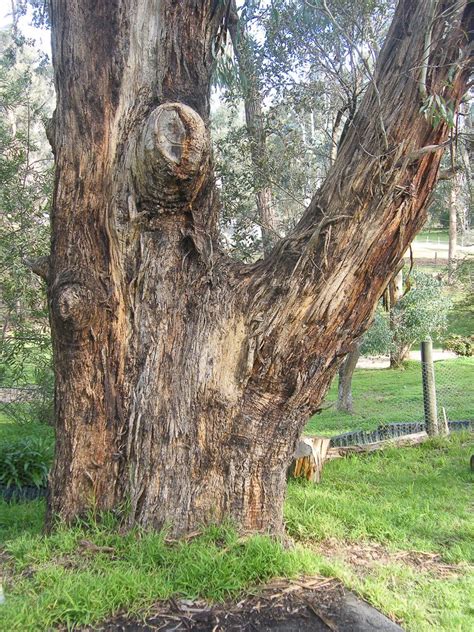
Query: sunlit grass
408 499
412 499
396 395
57 579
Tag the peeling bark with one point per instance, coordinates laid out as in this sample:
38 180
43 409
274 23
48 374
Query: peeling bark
184 379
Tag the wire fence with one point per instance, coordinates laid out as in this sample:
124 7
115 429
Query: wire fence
392 403
386 403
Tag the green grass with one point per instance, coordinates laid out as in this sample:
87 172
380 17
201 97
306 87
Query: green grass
395 395
461 317
412 499
433 234
55 581
408 499
417 498
11 431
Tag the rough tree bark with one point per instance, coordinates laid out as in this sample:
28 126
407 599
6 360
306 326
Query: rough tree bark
183 379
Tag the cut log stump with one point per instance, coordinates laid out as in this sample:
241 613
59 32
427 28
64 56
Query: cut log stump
312 452
309 458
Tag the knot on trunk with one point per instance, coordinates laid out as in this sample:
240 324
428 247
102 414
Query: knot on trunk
172 158
75 301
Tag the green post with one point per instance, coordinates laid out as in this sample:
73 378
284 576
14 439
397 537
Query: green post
429 388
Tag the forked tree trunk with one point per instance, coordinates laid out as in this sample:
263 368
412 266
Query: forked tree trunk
184 379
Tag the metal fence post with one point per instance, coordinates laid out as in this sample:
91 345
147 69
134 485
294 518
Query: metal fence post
429 388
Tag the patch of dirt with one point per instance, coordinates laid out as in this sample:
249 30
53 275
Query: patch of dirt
363 556
6 562
309 605
383 362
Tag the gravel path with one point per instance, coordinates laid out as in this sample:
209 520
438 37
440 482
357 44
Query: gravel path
383 362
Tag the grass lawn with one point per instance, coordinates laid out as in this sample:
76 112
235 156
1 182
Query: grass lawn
372 513
11 431
433 234
393 526
461 317
396 395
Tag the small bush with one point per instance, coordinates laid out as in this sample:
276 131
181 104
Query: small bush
35 401
25 462
460 345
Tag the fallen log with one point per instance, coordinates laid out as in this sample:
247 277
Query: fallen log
397 442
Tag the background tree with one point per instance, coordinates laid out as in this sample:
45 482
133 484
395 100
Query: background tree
183 378
421 312
415 313
244 51
298 73
378 340
25 190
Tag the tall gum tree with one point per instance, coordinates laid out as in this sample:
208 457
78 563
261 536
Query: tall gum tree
255 125
184 379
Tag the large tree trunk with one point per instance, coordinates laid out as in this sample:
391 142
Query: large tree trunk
184 379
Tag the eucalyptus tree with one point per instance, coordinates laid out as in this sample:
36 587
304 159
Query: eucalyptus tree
298 69
184 378
25 191
243 48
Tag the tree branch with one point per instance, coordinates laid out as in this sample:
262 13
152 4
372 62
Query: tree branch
40 266
329 280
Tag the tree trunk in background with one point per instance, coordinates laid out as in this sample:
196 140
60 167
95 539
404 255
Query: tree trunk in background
183 378
346 373
254 121
453 222
466 160
398 357
395 291
348 365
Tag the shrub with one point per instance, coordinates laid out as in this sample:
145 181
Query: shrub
25 462
460 345
421 312
378 340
